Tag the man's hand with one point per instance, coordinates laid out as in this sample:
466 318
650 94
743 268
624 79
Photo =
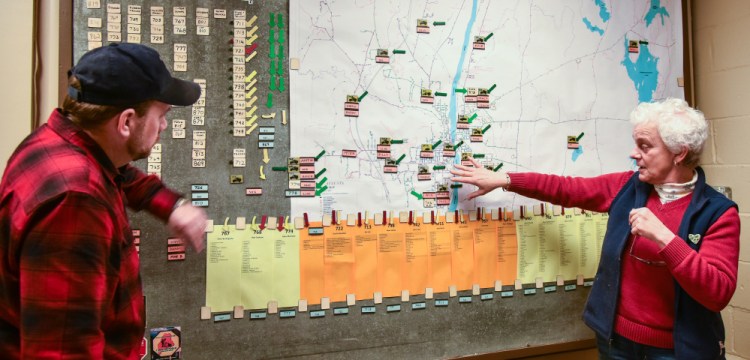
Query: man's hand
189 223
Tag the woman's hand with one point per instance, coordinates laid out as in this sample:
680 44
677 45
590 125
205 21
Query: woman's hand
478 176
645 224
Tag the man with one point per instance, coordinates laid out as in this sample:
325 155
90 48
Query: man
69 273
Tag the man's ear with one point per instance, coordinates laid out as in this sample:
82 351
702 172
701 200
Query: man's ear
125 122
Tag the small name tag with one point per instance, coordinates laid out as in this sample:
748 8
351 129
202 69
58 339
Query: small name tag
292 193
570 287
464 299
441 302
588 283
317 313
175 257
287 314
315 231
550 288
222 317
506 294
368 310
393 308
418 305
253 191
487 296
198 196
257 315
200 187
529 291
200 203
175 241
340 311
176 249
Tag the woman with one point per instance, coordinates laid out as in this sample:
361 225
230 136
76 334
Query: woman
669 259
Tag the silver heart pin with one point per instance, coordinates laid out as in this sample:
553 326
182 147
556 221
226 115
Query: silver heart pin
694 238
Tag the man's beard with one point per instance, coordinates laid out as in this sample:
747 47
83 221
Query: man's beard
137 148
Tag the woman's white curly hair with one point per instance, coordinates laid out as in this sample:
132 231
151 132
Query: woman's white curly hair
679 125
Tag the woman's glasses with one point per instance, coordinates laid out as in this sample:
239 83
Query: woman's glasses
645 261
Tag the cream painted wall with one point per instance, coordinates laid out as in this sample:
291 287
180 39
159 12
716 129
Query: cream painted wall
17 18
722 82
49 34
16 23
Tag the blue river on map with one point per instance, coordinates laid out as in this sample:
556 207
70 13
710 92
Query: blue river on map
452 114
654 10
577 152
643 72
593 27
603 12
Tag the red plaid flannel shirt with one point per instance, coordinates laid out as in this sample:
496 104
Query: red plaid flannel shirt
69 274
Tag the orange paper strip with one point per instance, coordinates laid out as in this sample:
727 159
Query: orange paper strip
463 255
312 266
485 253
390 260
339 263
366 260
416 259
440 259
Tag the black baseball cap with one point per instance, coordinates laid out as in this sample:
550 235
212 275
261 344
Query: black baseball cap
127 74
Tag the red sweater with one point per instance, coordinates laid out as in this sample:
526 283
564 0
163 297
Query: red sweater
645 312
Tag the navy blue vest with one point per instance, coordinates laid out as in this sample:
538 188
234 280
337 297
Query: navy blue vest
698 332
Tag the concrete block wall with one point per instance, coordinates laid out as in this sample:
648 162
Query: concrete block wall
721 54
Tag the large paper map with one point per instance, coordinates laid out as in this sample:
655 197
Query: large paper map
382 87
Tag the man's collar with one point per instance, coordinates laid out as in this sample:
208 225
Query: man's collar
75 135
